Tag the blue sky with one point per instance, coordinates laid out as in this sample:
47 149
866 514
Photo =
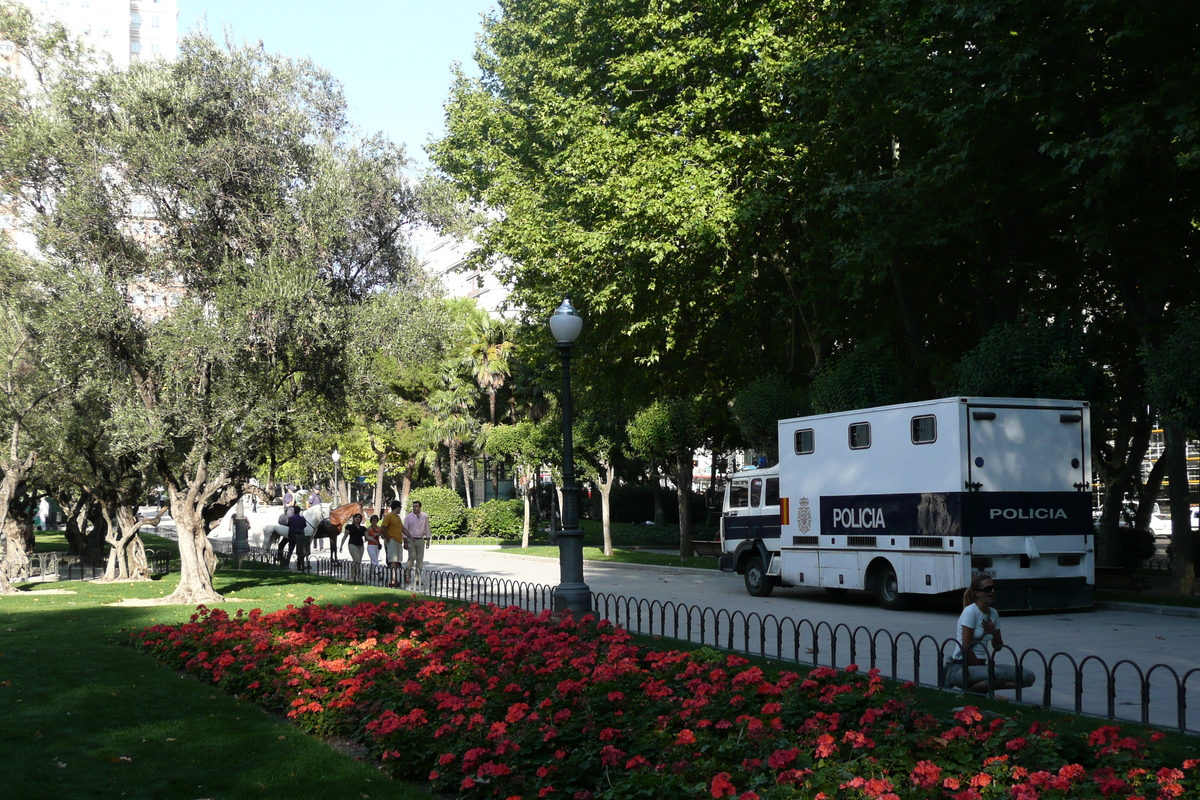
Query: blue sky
392 56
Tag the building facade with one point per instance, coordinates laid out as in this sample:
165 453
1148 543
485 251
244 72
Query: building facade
127 30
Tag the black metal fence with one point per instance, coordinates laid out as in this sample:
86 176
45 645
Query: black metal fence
1089 685
63 566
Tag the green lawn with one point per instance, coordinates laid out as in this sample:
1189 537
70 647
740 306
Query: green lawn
87 716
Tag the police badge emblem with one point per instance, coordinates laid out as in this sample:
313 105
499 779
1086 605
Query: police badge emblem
804 516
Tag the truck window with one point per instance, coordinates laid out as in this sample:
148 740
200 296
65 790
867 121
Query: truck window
860 436
739 494
924 430
804 442
755 492
772 498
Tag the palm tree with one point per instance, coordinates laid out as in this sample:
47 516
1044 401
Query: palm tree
488 354
488 351
451 422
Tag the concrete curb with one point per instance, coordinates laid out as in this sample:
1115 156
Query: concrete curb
1147 608
1100 605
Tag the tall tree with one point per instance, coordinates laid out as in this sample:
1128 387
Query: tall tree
399 342
666 435
219 182
489 349
28 383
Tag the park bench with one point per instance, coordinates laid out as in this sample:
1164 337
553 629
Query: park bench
1120 578
703 549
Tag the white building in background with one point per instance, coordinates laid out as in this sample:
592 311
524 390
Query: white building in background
445 258
127 30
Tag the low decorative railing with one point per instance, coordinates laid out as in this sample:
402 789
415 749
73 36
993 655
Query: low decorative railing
1125 690
67 567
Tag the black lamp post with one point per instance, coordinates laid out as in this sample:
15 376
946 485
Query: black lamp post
571 594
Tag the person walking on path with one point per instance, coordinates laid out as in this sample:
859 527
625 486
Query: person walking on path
373 543
297 539
417 526
284 538
353 537
393 527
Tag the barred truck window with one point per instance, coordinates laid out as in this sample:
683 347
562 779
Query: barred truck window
924 430
860 436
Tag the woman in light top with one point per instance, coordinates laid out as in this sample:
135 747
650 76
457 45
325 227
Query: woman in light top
978 629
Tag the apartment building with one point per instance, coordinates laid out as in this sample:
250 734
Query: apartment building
446 258
127 30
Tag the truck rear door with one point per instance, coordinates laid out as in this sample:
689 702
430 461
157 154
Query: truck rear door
1026 449
1028 474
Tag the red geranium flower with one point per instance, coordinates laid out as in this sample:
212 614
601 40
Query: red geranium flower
722 786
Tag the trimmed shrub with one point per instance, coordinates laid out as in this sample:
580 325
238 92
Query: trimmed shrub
1135 547
447 511
635 503
502 519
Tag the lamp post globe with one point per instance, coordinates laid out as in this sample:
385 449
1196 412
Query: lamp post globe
572 594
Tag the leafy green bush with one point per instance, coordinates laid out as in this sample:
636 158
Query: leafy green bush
634 503
447 511
502 519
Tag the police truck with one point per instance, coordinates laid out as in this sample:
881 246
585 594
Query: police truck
914 499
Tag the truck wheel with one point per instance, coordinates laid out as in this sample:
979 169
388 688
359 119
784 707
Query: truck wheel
888 590
758 583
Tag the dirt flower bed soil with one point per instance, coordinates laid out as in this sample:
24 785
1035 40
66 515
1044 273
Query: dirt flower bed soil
498 702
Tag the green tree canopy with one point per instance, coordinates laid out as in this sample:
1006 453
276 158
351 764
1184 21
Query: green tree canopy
227 186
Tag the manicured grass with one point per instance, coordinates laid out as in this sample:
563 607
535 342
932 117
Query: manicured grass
87 716
623 556
56 542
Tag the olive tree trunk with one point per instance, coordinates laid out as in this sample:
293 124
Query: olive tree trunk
14 560
197 561
127 556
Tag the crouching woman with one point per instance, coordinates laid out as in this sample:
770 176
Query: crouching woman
978 630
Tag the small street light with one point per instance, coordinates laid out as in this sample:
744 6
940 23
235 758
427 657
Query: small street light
571 594
336 456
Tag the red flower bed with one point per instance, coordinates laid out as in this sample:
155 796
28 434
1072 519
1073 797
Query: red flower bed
488 702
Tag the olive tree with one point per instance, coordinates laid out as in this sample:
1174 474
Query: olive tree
222 218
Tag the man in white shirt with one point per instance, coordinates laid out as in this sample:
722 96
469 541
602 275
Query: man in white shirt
416 531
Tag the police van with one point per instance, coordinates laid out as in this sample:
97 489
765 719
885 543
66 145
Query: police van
914 499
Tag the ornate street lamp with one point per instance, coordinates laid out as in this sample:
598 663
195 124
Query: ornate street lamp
571 594
336 456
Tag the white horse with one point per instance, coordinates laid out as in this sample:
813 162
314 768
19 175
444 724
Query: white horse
265 530
260 520
313 517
